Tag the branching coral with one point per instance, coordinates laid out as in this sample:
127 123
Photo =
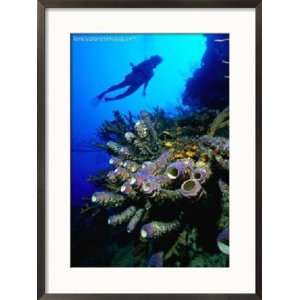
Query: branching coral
221 121
167 188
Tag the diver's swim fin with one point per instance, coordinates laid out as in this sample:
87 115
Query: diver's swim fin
100 96
95 101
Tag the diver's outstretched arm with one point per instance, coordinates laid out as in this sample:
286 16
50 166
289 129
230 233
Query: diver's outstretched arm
146 85
145 88
128 92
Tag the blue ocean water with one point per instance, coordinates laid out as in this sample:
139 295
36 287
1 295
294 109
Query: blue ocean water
99 61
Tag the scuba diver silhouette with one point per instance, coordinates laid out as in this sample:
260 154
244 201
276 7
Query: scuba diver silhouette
140 75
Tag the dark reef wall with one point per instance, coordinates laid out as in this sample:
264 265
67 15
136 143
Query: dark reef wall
209 85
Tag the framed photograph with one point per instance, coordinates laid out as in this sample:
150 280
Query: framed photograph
149 149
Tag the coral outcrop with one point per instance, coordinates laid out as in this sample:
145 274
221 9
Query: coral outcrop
168 188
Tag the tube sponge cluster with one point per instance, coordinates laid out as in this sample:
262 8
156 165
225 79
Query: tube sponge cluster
157 190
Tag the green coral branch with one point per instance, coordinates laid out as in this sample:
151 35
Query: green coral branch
219 122
165 196
181 241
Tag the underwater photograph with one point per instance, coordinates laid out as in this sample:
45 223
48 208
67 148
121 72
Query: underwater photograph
149 150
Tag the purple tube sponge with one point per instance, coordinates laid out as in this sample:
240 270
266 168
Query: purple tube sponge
224 187
219 144
146 119
137 180
108 199
113 147
141 129
156 260
162 160
223 162
129 136
123 217
147 231
121 173
111 176
135 220
201 174
115 161
143 175
190 188
178 170
127 189
156 229
223 241
163 180
124 151
150 186
148 168
131 166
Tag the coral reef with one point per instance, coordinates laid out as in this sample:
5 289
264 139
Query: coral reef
167 188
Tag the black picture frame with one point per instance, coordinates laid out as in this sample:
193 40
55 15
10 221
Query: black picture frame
41 148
